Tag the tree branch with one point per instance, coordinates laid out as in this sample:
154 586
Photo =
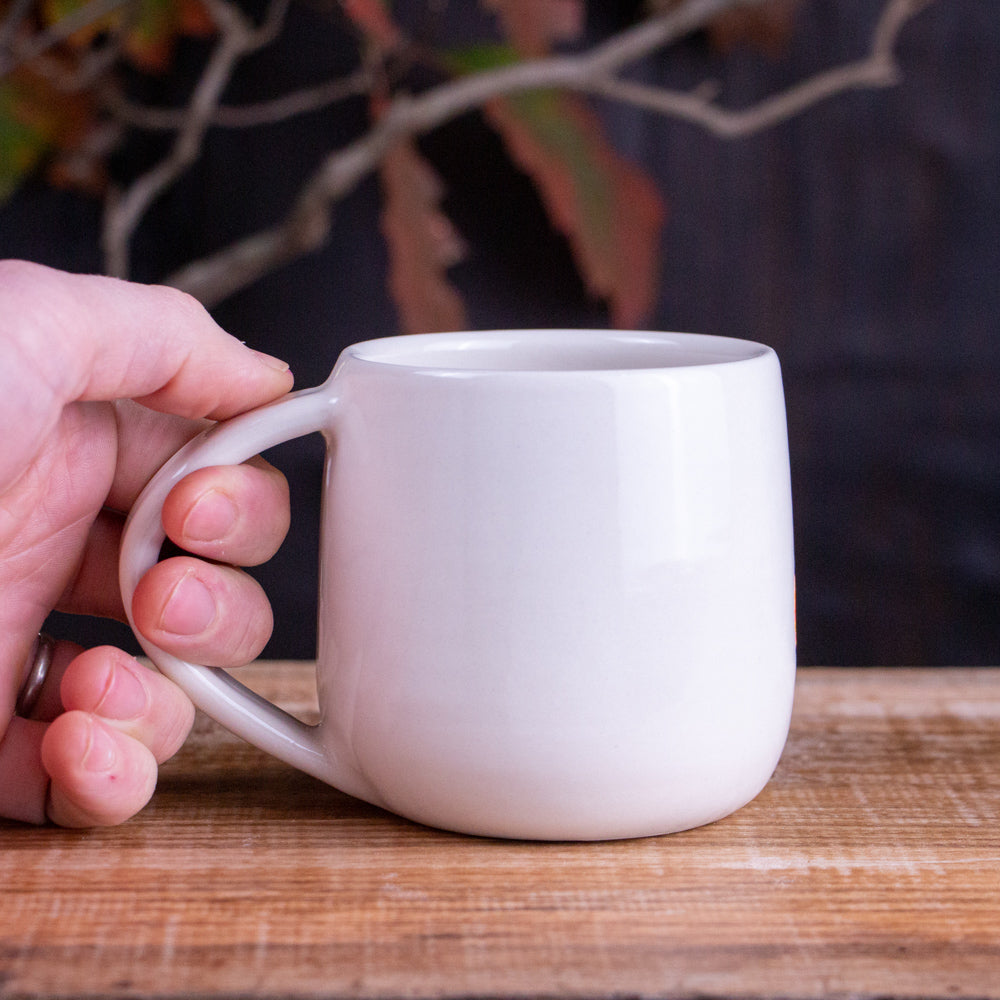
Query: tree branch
278 109
878 69
597 72
307 225
238 37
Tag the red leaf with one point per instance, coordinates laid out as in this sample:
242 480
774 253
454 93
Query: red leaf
768 27
372 17
533 27
608 209
38 121
422 244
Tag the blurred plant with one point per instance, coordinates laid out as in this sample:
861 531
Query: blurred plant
65 107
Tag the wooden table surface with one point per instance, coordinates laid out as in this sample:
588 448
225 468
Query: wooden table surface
869 867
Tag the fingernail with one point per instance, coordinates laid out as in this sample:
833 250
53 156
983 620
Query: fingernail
211 518
102 751
276 363
190 608
126 696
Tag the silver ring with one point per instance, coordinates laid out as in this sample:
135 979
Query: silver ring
31 689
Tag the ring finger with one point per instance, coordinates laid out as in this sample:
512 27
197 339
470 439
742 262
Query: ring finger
213 614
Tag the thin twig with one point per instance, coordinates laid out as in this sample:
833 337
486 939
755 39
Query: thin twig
307 225
727 124
278 109
237 38
894 17
71 78
878 69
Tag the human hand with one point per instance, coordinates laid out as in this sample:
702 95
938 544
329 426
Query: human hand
101 380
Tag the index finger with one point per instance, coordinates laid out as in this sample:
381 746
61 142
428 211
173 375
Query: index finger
67 337
116 339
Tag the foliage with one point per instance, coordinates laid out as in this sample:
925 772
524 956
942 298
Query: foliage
59 66
48 98
607 209
35 119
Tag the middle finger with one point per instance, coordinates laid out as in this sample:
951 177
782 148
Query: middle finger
233 513
257 491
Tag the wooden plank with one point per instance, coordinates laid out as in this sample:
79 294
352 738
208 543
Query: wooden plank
870 866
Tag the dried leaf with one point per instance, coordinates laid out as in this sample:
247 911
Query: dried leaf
768 27
54 11
21 144
193 18
374 20
36 120
608 209
534 27
422 244
149 43
151 27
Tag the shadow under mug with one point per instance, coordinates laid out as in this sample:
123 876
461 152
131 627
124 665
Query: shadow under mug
557 586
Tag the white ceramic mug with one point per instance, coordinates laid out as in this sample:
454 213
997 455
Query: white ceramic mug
556 595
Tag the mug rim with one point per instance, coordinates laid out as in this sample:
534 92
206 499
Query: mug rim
651 349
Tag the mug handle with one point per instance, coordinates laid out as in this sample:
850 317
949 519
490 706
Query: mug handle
214 691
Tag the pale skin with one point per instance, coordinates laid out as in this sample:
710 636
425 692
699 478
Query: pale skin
100 381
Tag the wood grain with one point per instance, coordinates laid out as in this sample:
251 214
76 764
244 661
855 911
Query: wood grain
869 867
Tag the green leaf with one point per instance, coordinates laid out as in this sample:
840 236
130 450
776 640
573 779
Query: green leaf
24 140
480 57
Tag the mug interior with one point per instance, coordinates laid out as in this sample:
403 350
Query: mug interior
556 350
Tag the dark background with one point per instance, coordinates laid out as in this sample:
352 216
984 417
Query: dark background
860 240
